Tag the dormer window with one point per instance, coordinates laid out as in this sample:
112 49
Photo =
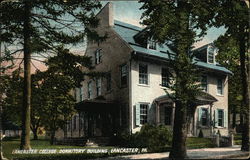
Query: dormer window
210 55
151 44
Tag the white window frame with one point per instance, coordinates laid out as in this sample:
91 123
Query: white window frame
206 116
143 74
202 87
143 120
164 78
209 55
222 118
124 73
151 45
222 87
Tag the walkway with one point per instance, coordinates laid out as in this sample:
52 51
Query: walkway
204 153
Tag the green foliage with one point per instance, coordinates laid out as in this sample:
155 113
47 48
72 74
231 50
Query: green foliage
155 138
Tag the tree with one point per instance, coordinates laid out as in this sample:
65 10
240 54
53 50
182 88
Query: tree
234 15
38 26
178 24
229 57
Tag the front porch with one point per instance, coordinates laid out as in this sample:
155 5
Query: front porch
164 108
98 118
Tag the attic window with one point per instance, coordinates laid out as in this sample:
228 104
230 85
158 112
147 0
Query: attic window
151 45
210 55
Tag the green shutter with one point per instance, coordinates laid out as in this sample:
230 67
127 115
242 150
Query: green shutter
137 114
225 119
216 118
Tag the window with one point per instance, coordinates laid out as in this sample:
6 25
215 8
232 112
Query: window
220 117
168 115
124 75
210 55
143 74
204 83
204 117
81 93
143 113
164 77
90 89
98 86
219 86
98 56
151 45
108 81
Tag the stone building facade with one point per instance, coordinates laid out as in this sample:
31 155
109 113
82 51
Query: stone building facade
133 91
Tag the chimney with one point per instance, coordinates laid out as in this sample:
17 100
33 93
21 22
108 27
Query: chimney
106 15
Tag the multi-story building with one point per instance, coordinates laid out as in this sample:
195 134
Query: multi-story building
133 91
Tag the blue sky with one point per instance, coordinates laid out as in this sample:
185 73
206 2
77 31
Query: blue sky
128 11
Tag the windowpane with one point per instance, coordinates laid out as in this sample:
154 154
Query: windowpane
143 113
90 89
204 117
210 55
220 117
143 74
151 45
220 86
98 86
81 93
164 77
204 83
124 74
168 115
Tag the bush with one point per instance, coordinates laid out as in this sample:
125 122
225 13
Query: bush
155 138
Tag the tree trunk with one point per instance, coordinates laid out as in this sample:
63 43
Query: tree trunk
25 137
52 137
35 133
179 150
245 81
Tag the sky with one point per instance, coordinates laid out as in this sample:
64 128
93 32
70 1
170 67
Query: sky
129 12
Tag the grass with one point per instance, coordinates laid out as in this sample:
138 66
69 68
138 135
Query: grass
237 139
11 144
195 142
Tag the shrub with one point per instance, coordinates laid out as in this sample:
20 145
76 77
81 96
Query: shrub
155 138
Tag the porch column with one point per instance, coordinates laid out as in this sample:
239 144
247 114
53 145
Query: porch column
172 118
157 113
211 119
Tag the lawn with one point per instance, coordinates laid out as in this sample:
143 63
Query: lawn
11 144
237 139
195 142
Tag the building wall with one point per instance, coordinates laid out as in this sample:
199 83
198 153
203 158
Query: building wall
147 94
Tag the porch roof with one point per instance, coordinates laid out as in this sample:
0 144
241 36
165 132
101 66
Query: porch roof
203 98
95 105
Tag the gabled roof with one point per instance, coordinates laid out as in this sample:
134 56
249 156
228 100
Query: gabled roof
127 32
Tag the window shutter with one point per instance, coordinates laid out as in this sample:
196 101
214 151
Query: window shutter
137 114
216 118
225 119
148 115
199 116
